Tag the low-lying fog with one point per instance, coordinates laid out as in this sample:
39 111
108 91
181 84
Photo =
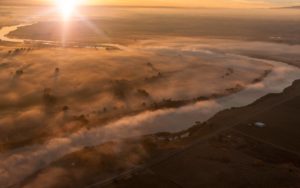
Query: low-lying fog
165 76
84 86
59 100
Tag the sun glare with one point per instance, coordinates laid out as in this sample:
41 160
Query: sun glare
67 7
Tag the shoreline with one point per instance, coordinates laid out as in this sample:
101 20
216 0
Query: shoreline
167 104
214 130
66 146
56 148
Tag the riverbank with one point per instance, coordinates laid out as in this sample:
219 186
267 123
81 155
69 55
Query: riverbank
158 109
231 149
149 97
71 116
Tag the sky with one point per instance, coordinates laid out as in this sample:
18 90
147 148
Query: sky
179 3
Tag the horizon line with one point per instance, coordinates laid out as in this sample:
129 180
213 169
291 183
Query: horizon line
146 6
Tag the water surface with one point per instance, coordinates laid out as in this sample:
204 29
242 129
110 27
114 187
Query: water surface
4 31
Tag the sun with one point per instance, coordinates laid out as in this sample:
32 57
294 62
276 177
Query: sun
67 7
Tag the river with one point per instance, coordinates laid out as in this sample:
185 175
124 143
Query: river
20 163
4 31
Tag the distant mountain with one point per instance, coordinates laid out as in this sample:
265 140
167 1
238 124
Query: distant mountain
292 7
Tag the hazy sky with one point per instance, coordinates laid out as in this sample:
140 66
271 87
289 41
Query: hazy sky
200 3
